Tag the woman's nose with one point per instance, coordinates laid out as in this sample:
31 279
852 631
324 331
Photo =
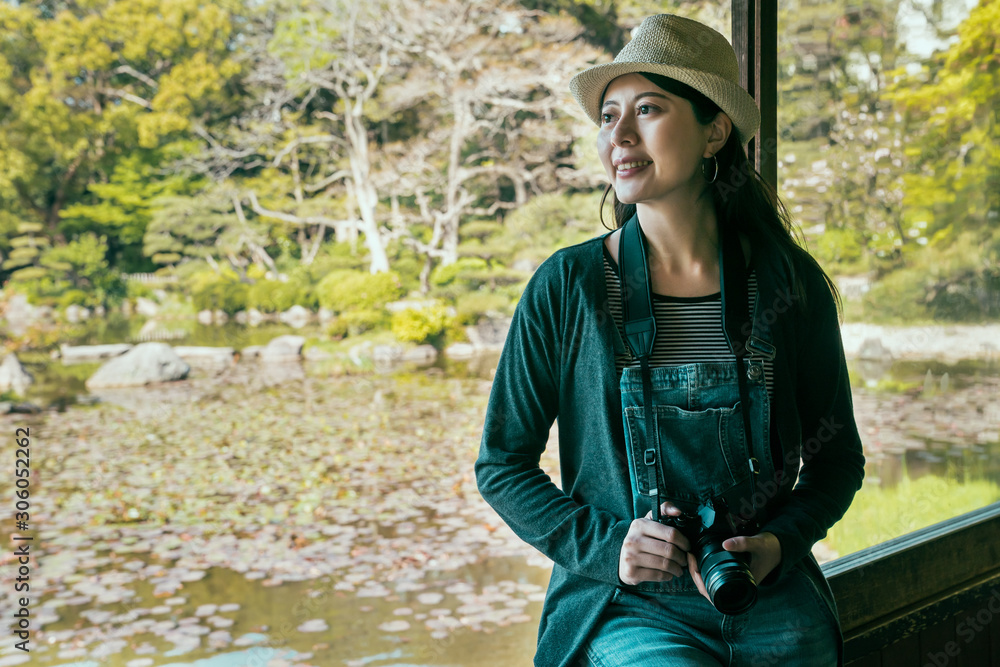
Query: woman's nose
624 132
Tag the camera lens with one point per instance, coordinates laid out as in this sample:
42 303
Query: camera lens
727 577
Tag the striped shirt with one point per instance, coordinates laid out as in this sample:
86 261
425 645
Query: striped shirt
688 329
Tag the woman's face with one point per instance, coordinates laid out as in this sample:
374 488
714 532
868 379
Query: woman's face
641 122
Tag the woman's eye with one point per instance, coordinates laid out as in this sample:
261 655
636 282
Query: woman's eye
644 106
605 118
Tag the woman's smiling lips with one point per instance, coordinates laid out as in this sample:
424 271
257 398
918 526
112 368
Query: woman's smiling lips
626 169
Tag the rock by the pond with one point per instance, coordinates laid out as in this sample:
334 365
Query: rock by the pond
872 348
325 315
459 351
19 408
489 334
422 354
410 304
254 317
143 364
240 316
146 307
525 264
204 317
387 354
316 354
24 408
19 314
195 354
283 348
296 316
946 343
13 376
75 313
220 316
250 352
74 353
361 353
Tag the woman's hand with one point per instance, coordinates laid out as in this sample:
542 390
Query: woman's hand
765 554
652 551
764 550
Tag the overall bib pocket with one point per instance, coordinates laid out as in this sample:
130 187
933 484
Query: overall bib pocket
700 454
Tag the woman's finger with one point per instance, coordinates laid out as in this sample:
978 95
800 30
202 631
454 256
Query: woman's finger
671 548
696 575
665 508
650 562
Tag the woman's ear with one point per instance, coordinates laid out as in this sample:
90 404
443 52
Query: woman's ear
719 131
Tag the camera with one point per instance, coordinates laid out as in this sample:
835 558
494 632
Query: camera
727 576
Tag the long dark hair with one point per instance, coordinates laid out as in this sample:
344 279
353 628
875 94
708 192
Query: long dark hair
743 200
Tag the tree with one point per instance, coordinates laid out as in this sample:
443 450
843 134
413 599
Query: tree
341 48
490 129
953 149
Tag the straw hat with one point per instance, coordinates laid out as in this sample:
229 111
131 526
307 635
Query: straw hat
682 49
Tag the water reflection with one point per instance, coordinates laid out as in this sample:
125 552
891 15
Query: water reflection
334 520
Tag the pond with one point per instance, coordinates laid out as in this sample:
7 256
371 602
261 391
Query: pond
230 520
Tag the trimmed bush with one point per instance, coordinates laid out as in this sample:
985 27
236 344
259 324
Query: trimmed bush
345 290
422 325
225 295
74 297
356 322
444 275
273 296
474 306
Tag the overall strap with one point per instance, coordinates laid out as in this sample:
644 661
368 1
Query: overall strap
736 326
640 332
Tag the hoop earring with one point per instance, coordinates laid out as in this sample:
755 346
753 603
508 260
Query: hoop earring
716 174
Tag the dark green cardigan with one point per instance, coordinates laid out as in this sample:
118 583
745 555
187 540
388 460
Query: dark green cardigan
558 361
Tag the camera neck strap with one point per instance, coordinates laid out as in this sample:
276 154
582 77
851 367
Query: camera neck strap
639 321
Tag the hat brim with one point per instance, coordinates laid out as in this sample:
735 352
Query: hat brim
588 86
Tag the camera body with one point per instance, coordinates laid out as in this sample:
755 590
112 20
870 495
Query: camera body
728 580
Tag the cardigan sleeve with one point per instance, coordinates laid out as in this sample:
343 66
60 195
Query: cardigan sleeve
523 403
832 461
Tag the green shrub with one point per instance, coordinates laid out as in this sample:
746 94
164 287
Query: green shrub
273 296
134 289
898 297
841 247
336 328
334 257
474 306
345 290
228 296
414 325
496 276
443 275
74 296
356 322
970 296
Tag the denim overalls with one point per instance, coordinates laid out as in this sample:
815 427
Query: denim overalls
700 453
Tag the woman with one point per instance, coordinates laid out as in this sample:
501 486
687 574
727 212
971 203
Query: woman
626 588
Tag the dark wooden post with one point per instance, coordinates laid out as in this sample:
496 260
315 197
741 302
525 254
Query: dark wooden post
755 40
